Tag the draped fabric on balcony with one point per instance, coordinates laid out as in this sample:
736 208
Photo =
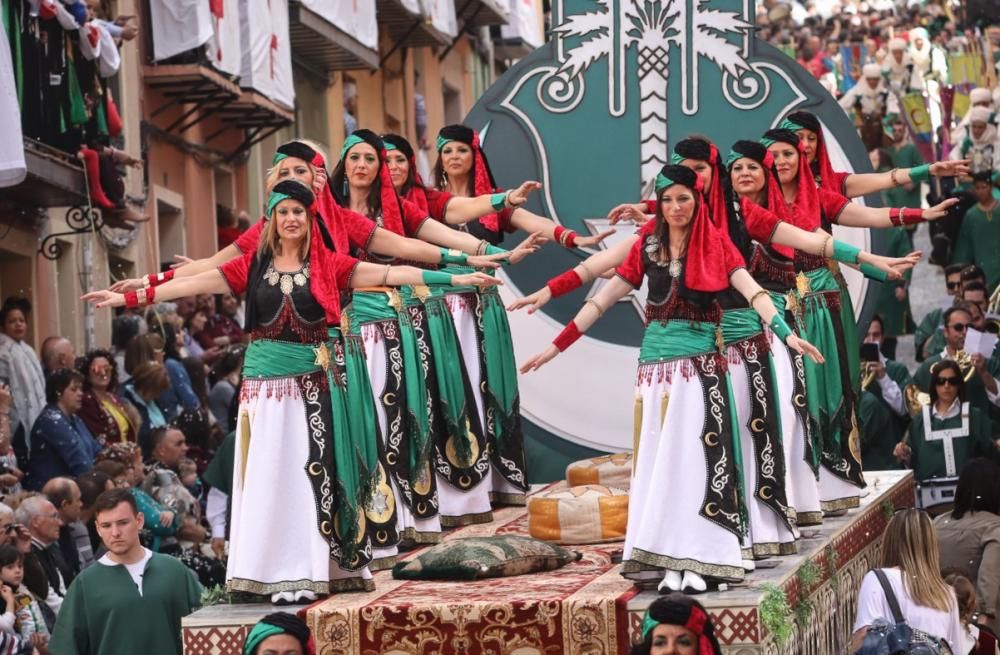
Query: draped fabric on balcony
12 166
267 53
223 49
523 24
442 15
179 26
356 19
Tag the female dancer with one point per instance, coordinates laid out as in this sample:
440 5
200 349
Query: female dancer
293 387
414 328
825 315
681 384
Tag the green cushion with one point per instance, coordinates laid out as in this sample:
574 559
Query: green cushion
484 557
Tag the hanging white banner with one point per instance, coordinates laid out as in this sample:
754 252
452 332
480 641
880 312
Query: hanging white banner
267 55
523 23
442 16
223 49
354 18
179 26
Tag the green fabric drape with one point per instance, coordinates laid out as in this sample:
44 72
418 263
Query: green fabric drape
448 372
734 430
668 340
355 454
740 324
501 369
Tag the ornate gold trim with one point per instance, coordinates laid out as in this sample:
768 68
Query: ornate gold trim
382 563
808 518
503 498
465 519
419 537
721 571
840 504
774 548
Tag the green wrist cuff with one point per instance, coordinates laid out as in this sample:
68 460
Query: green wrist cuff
494 250
449 256
780 328
498 201
845 252
920 173
436 277
871 271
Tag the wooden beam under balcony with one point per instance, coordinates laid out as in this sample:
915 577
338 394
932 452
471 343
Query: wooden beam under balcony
320 45
55 179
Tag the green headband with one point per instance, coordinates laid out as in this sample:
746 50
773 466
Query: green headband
274 199
676 159
766 142
441 141
390 146
662 182
349 143
790 125
278 156
732 157
258 634
648 623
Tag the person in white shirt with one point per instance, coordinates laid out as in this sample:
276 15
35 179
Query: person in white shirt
911 562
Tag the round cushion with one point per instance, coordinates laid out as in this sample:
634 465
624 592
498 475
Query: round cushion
610 470
588 514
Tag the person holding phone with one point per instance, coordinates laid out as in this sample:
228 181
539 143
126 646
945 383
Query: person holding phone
882 414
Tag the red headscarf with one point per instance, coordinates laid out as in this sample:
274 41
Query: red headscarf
804 120
392 211
775 200
416 193
482 177
805 211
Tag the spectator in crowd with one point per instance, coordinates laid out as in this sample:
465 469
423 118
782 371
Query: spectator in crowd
57 352
124 467
187 471
219 477
222 398
12 532
971 279
965 594
179 395
970 534
123 329
979 237
911 562
194 326
882 413
279 632
109 418
932 322
677 624
222 329
226 226
61 444
149 380
74 541
10 474
39 515
102 612
350 106
978 97
92 485
21 371
22 615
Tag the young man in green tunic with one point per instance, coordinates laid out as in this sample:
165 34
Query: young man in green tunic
978 240
928 338
131 600
882 412
902 154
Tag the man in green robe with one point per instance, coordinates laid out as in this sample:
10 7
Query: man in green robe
929 335
978 239
131 600
882 412
902 154
894 298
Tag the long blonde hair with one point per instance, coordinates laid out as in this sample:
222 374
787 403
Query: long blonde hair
271 177
910 544
271 242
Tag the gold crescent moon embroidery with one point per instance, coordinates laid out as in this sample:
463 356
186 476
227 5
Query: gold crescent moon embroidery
765 493
390 458
389 398
315 468
711 509
754 422
799 400
712 438
324 527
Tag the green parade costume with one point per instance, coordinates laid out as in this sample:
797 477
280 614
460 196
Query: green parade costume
931 328
881 428
975 392
967 431
897 318
904 156
978 241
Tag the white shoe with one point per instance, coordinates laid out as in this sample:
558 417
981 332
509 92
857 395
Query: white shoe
694 582
305 597
749 565
671 581
282 598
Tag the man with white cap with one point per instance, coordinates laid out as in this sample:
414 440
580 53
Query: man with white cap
868 96
978 97
978 142
900 73
930 61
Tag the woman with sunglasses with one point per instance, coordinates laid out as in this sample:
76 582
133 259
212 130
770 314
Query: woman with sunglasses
947 432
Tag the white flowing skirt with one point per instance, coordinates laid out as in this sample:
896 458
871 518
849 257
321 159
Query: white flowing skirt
665 528
274 542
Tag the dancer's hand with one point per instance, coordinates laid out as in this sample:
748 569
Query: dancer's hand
950 168
803 347
939 210
181 260
128 284
319 180
526 247
486 261
519 196
104 298
634 212
540 359
475 280
588 242
892 266
534 302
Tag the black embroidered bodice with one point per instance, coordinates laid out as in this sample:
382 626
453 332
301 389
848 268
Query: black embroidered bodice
663 299
285 308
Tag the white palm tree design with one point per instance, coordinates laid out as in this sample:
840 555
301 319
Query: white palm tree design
652 27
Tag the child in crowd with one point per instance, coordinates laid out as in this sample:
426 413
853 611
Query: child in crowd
974 637
188 470
22 615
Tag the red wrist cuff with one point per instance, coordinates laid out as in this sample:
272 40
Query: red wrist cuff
566 238
563 283
156 279
912 216
140 297
567 337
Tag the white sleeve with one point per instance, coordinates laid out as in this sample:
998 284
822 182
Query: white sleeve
892 396
109 59
54 601
993 397
956 631
847 101
871 602
215 512
7 622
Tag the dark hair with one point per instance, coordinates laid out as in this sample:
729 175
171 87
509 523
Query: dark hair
111 468
87 360
978 489
948 313
58 381
338 180
694 147
195 426
939 367
150 376
10 554
983 176
123 329
112 498
972 272
12 303
290 624
156 437
60 493
188 321
953 269
676 609
92 484
199 379
973 285
169 333
230 361
881 321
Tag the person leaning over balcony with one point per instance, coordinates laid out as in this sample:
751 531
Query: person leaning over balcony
21 370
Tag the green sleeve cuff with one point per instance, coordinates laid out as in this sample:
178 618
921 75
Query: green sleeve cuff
453 256
871 271
494 250
780 328
436 277
920 173
498 201
845 252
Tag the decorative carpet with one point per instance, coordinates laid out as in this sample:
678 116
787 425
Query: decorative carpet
578 609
